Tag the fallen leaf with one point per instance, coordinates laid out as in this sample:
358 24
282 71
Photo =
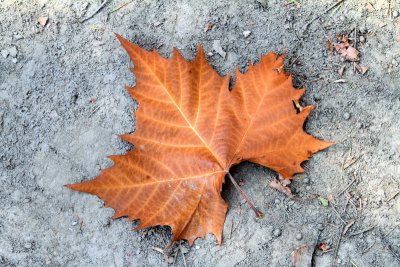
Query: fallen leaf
208 27
347 51
302 256
281 188
284 181
370 7
323 201
191 129
364 70
42 21
352 53
360 69
324 247
329 46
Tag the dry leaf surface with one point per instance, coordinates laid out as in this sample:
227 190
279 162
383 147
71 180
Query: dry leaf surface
191 130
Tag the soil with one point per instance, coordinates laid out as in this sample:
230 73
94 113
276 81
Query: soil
63 103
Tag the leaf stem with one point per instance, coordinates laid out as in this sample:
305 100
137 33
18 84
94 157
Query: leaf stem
258 213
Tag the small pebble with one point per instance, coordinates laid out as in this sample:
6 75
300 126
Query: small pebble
13 51
306 180
346 116
197 247
320 226
317 97
28 245
308 188
171 260
290 17
342 18
299 236
277 201
395 14
263 3
18 37
362 39
246 34
184 250
363 29
74 223
394 62
5 53
277 232
14 60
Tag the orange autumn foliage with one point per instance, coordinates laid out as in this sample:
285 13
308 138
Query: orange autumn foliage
191 129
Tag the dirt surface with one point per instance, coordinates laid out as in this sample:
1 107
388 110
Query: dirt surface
62 105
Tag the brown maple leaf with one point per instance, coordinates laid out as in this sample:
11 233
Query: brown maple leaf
191 130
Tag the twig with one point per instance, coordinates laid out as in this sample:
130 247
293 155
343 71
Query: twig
392 197
355 37
118 8
337 213
175 256
162 252
97 108
183 255
353 263
387 244
368 248
230 233
362 232
323 12
394 228
347 187
337 245
95 12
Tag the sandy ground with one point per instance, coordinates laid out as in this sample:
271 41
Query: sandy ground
62 105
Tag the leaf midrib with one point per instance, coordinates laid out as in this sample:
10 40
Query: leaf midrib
218 160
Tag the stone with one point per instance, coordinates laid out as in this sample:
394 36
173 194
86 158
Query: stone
299 236
277 232
246 34
218 48
346 116
13 51
5 53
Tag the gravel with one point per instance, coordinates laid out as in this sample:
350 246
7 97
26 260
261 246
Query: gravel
277 232
346 116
